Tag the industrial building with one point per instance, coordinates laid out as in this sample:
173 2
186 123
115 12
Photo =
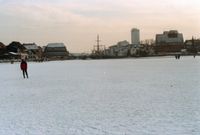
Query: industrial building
56 51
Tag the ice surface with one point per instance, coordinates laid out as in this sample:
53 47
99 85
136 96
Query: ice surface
153 96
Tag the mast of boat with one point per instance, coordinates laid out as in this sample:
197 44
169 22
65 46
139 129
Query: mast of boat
98 44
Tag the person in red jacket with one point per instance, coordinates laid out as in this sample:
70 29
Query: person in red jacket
24 66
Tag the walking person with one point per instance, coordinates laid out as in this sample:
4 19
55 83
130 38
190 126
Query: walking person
24 66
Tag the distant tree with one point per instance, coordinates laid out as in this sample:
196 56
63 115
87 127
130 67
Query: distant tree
2 48
148 42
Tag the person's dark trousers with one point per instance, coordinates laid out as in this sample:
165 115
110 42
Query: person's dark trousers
25 73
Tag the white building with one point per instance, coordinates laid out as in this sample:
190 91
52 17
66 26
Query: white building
30 46
171 37
32 50
123 43
135 37
120 49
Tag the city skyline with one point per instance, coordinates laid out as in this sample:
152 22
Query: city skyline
76 23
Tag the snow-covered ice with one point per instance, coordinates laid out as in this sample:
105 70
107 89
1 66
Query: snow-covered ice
152 96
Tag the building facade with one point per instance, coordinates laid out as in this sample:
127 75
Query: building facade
169 42
34 52
135 37
56 51
172 37
120 49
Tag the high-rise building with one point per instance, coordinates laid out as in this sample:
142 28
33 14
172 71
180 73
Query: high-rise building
135 37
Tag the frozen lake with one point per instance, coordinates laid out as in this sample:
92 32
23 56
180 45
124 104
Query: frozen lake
153 96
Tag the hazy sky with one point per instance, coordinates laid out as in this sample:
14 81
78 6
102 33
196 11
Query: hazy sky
77 22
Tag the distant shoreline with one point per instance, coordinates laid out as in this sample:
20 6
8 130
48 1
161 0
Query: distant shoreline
114 58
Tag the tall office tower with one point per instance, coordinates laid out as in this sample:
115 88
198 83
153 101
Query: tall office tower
135 37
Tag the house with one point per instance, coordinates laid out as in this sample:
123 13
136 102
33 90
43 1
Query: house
56 51
34 51
15 49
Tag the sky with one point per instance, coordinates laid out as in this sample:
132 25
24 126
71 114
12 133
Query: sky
76 23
